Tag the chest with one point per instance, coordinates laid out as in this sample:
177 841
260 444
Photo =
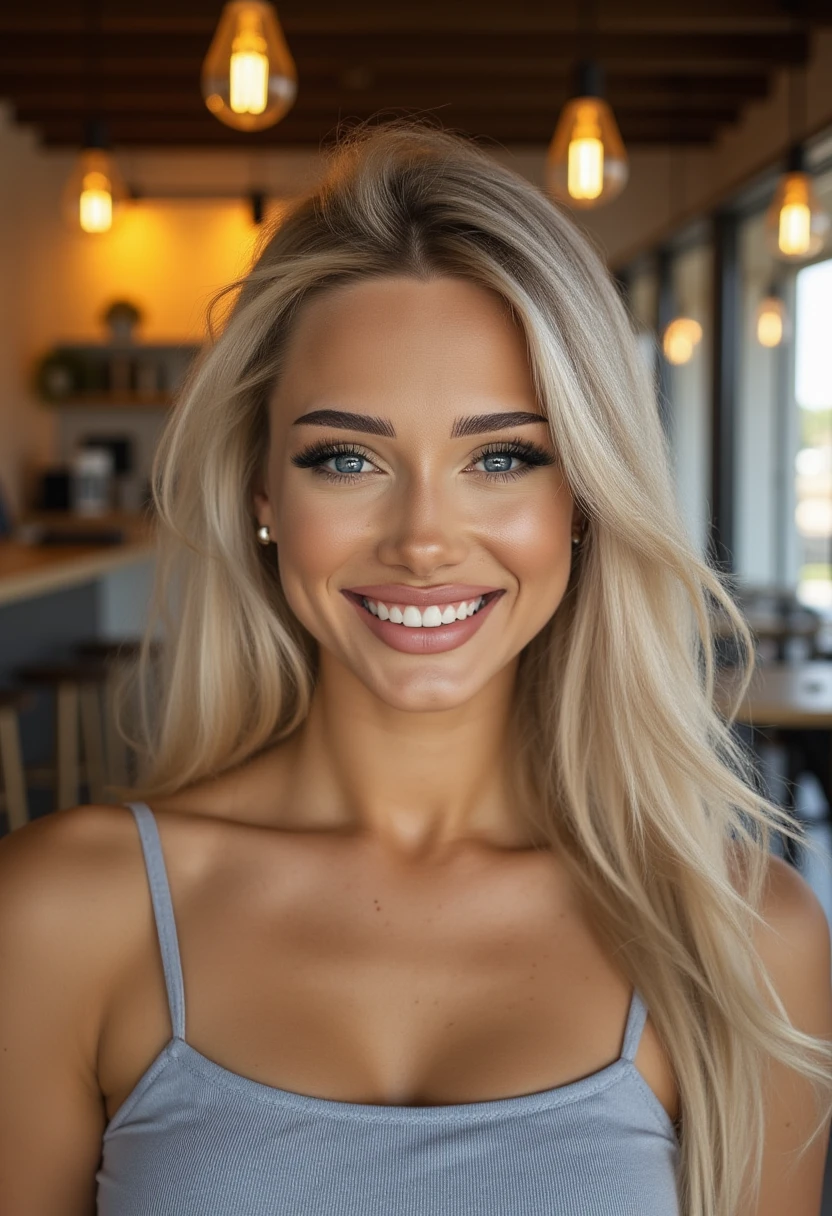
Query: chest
343 979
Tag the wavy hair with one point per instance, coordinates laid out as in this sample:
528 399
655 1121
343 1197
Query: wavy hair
645 790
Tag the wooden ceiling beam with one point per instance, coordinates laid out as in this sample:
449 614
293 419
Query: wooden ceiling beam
325 116
751 49
195 16
38 89
176 71
33 106
650 129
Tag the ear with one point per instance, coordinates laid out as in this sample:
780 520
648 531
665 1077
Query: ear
262 508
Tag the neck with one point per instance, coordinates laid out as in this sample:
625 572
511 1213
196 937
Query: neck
422 783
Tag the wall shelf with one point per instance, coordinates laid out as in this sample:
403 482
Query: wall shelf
158 400
114 375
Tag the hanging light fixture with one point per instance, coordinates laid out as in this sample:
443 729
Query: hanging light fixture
771 322
586 163
796 224
680 337
683 333
95 188
249 79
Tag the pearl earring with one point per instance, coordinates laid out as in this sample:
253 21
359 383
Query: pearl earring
263 534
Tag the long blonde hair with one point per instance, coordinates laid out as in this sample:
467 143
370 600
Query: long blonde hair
647 794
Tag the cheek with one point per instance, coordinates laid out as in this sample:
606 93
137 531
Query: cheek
532 540
316 540
313 535
532 537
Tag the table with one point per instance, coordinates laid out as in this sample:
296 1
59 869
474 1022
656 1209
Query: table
794 702
771 626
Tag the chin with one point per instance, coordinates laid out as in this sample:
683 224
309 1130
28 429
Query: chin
422 693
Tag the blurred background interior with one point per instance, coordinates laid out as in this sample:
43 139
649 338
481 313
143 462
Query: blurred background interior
144 144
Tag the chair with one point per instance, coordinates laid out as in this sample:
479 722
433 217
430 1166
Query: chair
113 653
76 686
13 789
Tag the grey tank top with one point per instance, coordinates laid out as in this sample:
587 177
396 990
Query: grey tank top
194 1139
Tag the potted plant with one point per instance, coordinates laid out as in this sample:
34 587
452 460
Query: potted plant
121 316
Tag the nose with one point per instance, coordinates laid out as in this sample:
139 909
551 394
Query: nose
425 529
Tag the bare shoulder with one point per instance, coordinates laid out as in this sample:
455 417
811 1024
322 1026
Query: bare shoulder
70 891
795 930
795 940
47 860
64 914
794 946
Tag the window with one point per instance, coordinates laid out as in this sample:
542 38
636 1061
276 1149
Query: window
689 391
812 533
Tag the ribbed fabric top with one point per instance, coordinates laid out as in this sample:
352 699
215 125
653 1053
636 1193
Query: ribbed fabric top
195 1139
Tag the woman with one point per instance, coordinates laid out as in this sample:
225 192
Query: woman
438 803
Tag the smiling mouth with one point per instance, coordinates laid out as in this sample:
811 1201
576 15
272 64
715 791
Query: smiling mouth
410 617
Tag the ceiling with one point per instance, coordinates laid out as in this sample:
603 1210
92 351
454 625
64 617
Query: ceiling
499 70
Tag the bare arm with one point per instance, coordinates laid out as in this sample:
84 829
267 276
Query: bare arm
796 950
51 1112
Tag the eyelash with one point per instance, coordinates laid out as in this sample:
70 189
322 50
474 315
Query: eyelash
313 458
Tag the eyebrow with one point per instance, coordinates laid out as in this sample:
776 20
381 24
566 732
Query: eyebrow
472 424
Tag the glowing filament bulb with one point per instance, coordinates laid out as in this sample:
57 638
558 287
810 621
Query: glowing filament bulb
770 329
795 228
771 321
680 337
96 203
585 172
249 68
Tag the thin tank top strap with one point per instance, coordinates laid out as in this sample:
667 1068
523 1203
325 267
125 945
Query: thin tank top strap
163 913
635 1025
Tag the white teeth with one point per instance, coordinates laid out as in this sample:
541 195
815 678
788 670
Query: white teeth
429 618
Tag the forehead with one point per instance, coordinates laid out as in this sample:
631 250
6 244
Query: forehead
405 343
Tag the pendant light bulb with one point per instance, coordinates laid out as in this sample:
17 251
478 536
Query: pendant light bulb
679 339
796 223
586 164
771 322
94 189
249 79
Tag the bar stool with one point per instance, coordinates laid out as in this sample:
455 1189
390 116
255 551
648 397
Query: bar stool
114 654
76 686
13 789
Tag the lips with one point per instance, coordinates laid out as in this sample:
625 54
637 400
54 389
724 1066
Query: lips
420 597
425 641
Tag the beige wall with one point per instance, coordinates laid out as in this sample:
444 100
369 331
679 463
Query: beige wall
170 256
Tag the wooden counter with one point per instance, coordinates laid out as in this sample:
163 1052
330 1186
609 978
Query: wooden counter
30 569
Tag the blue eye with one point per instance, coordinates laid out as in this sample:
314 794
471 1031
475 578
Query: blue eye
348 462
348 459
531 454
505 457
